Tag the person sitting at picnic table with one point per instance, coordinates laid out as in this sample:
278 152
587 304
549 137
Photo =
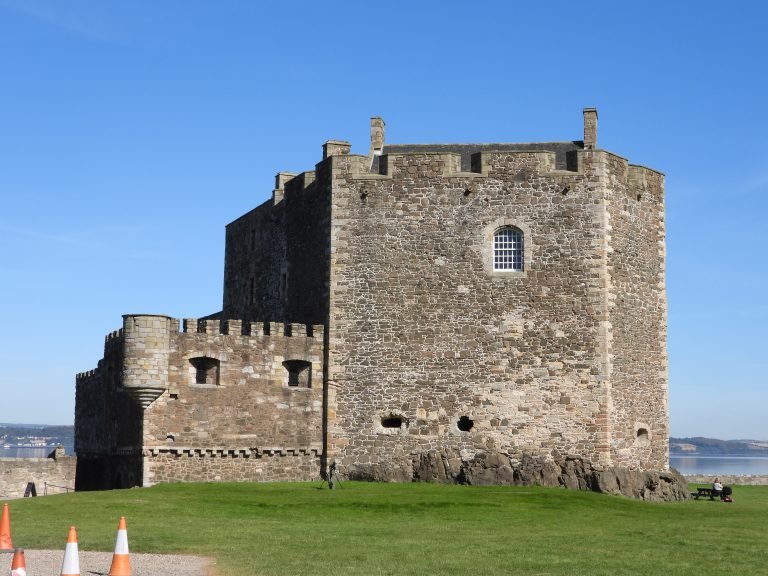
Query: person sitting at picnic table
717 488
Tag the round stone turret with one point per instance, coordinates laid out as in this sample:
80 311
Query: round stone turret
146 352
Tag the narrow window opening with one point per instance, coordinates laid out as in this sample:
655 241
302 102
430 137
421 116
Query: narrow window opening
206 370
392 422
284 286
298 373
642 438
465 424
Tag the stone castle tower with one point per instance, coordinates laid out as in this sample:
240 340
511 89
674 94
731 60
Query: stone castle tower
483 313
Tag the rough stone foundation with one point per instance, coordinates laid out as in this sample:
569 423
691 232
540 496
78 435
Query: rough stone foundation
497 469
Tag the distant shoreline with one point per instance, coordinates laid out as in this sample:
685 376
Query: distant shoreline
728 479
718 456
701 447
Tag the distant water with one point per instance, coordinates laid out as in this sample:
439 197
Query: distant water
28 452
695 465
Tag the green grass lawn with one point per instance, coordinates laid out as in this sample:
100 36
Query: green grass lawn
421 529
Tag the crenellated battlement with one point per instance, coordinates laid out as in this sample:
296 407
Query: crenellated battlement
88 375
419 161
563 161
230 452
290 183
113 336
253 329
147 354
473 162
226 328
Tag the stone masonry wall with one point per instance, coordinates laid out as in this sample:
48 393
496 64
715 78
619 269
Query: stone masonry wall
422 329
233 465
250 402
58 472
221 390
637 311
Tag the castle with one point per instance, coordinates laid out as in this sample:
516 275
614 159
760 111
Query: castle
482 313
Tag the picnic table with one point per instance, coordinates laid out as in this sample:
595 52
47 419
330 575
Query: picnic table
705 492
711 493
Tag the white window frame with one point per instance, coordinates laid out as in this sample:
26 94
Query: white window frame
489 230
508 250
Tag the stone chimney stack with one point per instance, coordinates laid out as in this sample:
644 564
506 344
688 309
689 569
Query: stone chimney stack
377 136
590 128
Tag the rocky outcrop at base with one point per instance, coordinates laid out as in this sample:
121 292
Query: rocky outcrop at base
498 469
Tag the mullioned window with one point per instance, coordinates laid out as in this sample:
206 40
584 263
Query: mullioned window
508 254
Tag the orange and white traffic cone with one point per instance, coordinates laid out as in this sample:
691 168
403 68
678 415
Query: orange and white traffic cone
121 561
19 565
71 564
5 529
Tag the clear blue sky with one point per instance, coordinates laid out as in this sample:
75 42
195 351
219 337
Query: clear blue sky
132 131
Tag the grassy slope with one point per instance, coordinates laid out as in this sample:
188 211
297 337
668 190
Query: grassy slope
411 529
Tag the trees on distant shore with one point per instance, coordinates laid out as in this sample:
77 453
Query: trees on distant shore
22 434
699 446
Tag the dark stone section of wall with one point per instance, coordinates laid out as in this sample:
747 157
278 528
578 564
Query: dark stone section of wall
107 472
107 422
308 210
255 254
277 256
